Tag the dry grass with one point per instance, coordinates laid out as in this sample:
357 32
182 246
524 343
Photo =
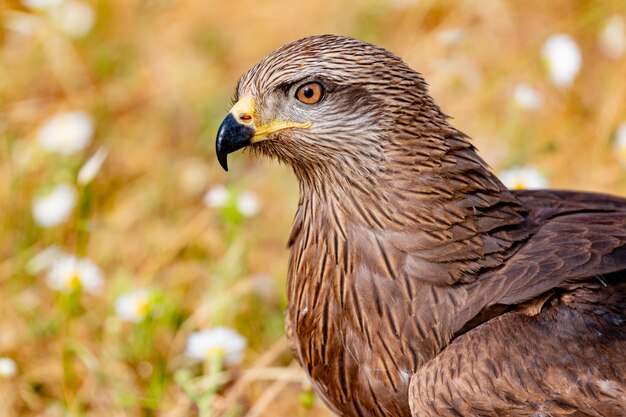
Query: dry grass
157 76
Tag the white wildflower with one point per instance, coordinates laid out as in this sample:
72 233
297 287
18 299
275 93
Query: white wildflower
217 196
193 176
563 59
23 24
523 178
219 340
44 259
74 18
54 208
527 97
8 367
264 286
248 204
90 169
69 274
134 306
42 4
66 133
620 144
460 71
613 37
452 36
23 154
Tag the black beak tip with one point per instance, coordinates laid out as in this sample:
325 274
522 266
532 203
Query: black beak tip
222 158
231 136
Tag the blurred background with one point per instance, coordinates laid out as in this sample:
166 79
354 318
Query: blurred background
139 279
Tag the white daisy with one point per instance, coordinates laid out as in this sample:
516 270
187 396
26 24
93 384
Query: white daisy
66 133
523 178
24 24
69 274
54 208
193 176
263 285
134 306
8 367
248 204
613 37
90 169
217 196
452 36
44 259
563 59
42 4
219 340
74 18
527 97
620 144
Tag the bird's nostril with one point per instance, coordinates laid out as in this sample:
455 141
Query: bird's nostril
244 117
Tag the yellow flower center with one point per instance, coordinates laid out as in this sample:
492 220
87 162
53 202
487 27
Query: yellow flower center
74 283
142 307
519 185
215 351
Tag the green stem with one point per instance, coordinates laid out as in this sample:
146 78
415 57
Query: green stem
69 306
215 363
82 238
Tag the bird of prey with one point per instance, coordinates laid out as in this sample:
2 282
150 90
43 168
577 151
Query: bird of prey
418 284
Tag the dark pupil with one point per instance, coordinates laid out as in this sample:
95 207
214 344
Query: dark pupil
308 92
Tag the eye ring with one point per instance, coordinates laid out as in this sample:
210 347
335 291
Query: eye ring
310 93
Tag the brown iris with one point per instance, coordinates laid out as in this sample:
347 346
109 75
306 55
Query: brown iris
310 93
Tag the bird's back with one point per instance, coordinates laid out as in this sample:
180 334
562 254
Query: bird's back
556 346
562 355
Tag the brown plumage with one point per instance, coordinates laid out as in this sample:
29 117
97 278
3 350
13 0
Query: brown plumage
418 284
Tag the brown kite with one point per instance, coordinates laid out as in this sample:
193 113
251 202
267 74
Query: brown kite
419 285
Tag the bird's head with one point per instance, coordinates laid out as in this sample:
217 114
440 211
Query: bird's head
323 102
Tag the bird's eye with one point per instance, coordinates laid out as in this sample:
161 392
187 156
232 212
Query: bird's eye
310 93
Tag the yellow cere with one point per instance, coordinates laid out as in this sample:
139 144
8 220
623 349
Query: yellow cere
244 107
244 112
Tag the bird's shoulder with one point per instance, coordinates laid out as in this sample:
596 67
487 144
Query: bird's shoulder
579 237
516 252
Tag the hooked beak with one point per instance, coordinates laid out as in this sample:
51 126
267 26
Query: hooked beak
239 129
